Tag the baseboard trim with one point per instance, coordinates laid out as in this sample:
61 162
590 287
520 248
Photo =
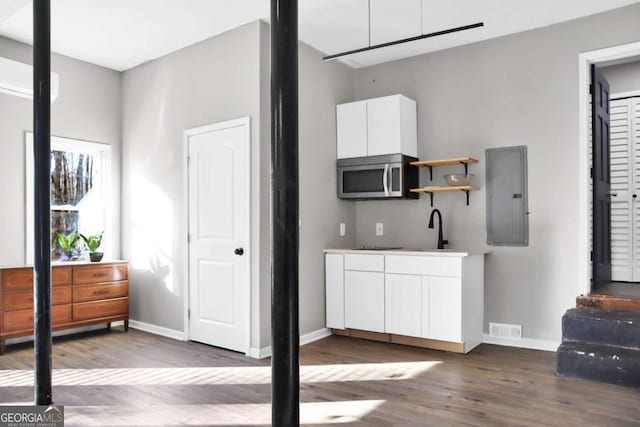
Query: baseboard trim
264 352
157 330
530 343
314 336
64 332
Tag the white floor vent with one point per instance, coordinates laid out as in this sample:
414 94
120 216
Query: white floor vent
503 330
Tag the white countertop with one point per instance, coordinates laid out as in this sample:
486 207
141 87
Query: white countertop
410 251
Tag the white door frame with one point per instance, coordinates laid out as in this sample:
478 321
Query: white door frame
584 62
244 121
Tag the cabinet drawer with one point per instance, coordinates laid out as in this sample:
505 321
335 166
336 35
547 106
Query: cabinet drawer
102 273
61 276
22 320
424 265
364 262
98 309
22 278
100 291
20 300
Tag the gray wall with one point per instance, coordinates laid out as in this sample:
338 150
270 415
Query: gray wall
322 85
194 87
520 89
209 82
87 108
623 77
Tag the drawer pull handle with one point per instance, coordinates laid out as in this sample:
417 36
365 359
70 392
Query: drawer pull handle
101 292
100 274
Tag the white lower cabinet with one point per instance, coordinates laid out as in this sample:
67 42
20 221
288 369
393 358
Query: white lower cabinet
364 300
423 306
430 297
334 288
442 311
403 304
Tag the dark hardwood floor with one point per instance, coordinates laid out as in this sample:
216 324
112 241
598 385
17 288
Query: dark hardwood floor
138 379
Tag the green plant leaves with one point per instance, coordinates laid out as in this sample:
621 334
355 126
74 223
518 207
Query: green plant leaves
67 241
92 242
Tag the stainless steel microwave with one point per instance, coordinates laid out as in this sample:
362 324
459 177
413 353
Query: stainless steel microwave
377 177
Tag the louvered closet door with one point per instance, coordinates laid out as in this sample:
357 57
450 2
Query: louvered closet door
621 191
634 106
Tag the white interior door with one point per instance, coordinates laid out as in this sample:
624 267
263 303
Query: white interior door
621 192
625 189
218 204
635 197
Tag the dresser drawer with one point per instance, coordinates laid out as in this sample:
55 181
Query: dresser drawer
364 262
20 300
99 273
22 278
424 265
83 293
22 320
97 309
61 276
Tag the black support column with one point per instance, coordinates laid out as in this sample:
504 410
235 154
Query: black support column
285 336
42 220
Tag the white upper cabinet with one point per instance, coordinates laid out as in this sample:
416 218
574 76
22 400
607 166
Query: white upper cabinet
386 125
351 122
392 126
395 20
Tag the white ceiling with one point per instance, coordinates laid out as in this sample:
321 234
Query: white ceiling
121 34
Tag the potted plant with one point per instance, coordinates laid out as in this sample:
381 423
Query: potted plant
93 242
67 243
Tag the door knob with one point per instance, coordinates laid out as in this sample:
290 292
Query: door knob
239 251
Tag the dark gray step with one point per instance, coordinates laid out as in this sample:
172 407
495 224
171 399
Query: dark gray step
618 328
599 362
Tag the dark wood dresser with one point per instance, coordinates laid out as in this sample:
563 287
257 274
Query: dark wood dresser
82 293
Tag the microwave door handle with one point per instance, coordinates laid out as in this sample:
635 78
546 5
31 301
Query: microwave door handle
385 180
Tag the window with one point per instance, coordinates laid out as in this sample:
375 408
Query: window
78 192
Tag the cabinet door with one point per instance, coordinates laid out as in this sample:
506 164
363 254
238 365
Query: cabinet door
383 122
364 300
445 309
351 133
403 304
392 126
395 20
334 288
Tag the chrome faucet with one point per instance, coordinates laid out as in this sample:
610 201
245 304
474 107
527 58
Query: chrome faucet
441 241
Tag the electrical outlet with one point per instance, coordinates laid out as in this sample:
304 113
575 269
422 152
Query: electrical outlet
379 229
343 229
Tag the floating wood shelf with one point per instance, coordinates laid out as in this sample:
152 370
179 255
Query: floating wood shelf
431 190
444 189
445 162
